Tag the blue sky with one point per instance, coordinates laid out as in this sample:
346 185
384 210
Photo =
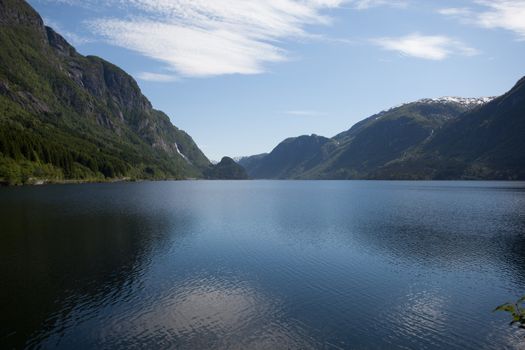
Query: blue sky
240 76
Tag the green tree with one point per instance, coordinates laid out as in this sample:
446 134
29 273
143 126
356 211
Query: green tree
516 311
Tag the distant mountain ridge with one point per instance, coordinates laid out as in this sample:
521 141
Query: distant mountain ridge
437 138
226 169
289 159
66 116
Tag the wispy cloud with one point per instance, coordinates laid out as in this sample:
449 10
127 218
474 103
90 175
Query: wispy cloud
202 38
157 77
430 47
304 113
207 38
366 4
455 11
494 14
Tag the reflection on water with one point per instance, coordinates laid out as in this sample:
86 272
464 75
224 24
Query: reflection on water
420 316
212 312
261 264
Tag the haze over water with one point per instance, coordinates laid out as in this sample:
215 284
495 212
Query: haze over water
262 264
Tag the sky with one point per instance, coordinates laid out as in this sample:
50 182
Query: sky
240 76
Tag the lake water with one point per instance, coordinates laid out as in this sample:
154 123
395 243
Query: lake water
261 265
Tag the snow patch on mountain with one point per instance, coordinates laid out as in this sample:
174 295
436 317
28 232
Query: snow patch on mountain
466 101
469 102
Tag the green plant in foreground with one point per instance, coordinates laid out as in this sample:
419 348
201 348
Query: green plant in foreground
516 310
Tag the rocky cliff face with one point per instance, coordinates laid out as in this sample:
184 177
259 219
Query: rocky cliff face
45 81
16 12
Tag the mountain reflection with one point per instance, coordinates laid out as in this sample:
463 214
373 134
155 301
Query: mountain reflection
260 264
81 252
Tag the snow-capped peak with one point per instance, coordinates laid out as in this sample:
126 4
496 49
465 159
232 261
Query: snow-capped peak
466 101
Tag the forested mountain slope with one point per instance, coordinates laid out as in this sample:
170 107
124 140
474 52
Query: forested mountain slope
67 116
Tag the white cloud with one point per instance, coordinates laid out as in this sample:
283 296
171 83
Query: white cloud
509 15
430 47
213 37
192 51
304 113
502 14
207 38
366 4
157 77
455 11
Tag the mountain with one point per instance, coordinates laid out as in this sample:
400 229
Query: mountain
249 162
444 138
67 116
370 148
387 136
485 143
226 169
289 159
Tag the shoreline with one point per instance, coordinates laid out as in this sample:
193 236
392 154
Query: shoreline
41 182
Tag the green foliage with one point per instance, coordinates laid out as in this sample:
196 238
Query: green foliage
60 151
516 311
67 117
26 172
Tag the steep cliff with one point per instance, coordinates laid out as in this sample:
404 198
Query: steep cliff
67 116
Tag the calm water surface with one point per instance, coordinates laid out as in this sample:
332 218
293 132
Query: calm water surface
261 265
